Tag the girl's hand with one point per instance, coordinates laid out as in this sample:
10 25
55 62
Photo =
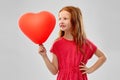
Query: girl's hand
42 50
85 69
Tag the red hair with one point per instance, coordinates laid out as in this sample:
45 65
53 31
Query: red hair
78 32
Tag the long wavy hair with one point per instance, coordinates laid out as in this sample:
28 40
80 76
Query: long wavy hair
77 32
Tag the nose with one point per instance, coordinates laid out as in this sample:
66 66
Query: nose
61 22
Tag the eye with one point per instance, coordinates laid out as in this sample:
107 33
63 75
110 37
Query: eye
65 18
59 19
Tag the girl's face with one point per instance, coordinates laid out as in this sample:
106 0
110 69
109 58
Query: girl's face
65 21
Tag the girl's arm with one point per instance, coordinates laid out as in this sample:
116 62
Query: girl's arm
99 62
51 65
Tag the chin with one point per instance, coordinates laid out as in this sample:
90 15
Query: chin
63 29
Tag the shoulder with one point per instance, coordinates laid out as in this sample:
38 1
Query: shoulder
55 46
89 42
91 45
58 40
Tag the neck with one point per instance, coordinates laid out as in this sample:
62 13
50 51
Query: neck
68 36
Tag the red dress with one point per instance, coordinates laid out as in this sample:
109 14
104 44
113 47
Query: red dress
69 60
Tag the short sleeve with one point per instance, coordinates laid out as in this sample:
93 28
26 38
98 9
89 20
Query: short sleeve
53 48
92 49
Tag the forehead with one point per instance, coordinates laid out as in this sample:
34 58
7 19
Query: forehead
64 14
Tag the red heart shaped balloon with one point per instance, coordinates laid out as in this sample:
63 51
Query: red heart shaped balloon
37 26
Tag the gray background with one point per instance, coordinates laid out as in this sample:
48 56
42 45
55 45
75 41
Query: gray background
19 58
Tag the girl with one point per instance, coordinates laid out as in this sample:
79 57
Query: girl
72 49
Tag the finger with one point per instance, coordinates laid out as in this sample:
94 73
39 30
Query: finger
83 69
82 63
40 44
81 66
41 49
84 72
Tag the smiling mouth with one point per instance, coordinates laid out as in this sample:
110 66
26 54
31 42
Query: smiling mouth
62 26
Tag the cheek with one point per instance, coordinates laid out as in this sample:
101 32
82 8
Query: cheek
69 24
